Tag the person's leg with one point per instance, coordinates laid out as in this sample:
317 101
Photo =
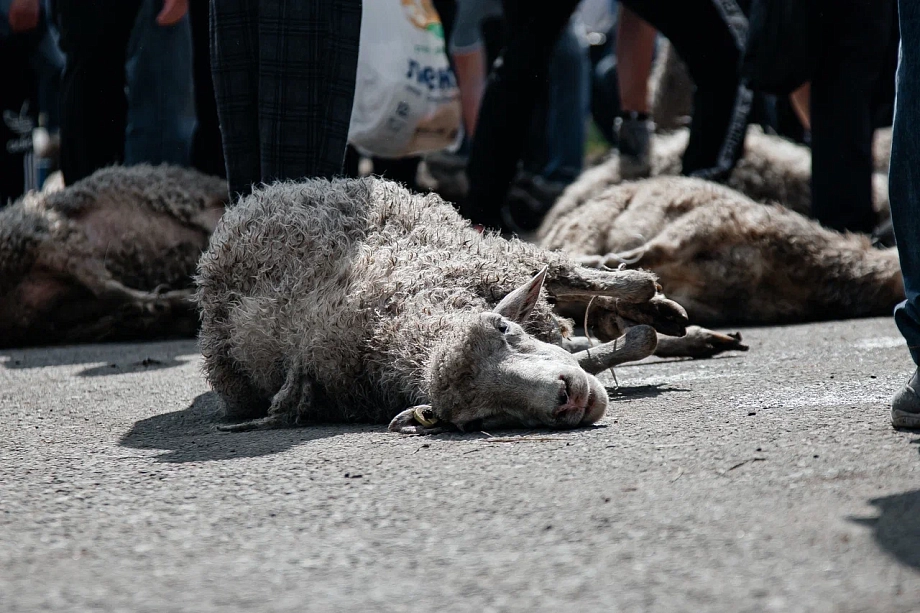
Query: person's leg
709 35
207 153
161 111
308 59
841 113
554 153
48 62
15 140
507 106
904 194
94 37
605 95
635 51
402 170
567 108
235 73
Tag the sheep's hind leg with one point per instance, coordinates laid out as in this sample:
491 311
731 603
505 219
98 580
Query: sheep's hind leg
639 342
698 343
290 402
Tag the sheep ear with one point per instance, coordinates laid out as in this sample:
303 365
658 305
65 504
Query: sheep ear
517 305
417 420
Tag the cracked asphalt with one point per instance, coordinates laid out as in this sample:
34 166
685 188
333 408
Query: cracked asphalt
764 481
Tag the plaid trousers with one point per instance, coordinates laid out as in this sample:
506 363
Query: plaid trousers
284 79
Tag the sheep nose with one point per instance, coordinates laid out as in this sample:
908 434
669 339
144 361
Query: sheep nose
571 395
563 398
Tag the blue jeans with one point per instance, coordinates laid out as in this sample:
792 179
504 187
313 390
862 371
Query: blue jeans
557 149
904 173
161 102
569 77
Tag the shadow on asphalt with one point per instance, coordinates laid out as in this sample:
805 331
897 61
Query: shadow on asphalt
190 435
656 360
622 393
116 358
897 528
121 368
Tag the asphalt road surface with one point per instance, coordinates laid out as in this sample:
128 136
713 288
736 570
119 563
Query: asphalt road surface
765 481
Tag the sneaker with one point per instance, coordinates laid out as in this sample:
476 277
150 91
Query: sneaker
905 406
634 140
529 198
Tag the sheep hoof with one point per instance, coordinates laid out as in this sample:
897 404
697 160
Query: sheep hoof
270 422
417 420
699 343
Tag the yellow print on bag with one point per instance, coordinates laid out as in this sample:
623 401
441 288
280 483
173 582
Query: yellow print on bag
422 15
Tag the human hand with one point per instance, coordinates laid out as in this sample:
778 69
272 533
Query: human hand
173 11
23 15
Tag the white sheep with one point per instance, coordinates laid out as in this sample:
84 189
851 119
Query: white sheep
728 259
771 170
356 300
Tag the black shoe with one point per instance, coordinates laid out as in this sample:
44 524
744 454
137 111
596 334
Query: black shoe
529 199
634 141
905 406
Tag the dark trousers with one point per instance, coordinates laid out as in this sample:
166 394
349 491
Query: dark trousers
19 86
709 35
207 153
517 80
402 170
284 78
855 41
94 36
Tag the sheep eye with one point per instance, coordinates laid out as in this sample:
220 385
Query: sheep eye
503 328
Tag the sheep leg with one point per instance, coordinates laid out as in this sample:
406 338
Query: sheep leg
93 275
609 318
639 342
576 344
611 261
294 399
241 400
699 343
580 284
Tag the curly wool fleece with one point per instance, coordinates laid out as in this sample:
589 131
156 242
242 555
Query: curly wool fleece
369 289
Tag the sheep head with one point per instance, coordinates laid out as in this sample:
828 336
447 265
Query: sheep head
498 376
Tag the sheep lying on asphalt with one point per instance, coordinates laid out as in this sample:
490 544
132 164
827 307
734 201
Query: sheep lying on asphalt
728 259
356 300
109 258
772 170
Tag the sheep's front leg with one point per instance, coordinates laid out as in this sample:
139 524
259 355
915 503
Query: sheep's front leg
93 275
617 299
639 342
294 399
578 284
698 343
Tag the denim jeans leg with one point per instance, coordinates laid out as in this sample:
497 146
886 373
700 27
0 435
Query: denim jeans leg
904 173
161 103
569 78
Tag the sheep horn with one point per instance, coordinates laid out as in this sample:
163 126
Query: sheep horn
638 342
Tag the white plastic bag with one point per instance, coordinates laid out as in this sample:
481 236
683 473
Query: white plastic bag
406 96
